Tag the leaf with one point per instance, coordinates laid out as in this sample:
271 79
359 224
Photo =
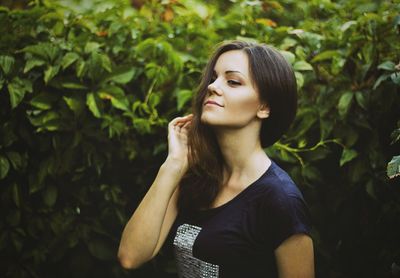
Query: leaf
50 72
347 156
69 59
381 78
344 103
15 159
75 104
92 103
116 95
325 55
31 63
302 65
105 62
370 189
393 167
122 75
299 79
50 195
154 100
182 97
2 80
347 25
395 78
362 100
16 195
73 85
101 250
395 136
80 68
17 89
388 65
91 47
6 64
4 167
43 101
47 51
289 56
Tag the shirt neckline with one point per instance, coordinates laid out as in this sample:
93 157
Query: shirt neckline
241 193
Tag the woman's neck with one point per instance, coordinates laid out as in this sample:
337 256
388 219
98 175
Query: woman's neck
243 155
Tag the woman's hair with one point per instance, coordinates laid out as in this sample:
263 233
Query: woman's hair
275 82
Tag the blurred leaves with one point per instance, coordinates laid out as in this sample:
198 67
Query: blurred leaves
88 87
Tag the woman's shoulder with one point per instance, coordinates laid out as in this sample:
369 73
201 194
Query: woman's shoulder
276 183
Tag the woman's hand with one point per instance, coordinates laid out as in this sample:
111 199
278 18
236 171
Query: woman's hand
178 130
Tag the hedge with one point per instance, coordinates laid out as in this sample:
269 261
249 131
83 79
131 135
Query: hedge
87 88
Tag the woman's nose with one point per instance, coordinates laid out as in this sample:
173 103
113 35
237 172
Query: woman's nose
213 89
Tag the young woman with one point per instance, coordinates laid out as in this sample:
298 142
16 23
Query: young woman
224 206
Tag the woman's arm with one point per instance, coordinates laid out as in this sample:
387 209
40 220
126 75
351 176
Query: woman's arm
149 225
295 257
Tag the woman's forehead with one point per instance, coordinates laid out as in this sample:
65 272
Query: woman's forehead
233 60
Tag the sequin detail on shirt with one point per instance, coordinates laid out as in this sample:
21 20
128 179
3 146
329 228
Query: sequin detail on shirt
188 265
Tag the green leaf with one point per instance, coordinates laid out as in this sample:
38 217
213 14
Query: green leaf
47 120
105 62
362 100
393 167
345 103
347 25
141 125
6 64
395 78
182 97
325 55
73 85
91 47
347 156
17 89
16 195
80 68
154 100
43 101
388 65
395 136
2 80
75 104
50 72
302 66
4 167
370 189
47 51
381 78
31 63
299 79
101 250
122 75
93 104
116 95
50 195
69 59
15 159
289 56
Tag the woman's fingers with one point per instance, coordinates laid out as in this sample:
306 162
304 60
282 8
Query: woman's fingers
181 121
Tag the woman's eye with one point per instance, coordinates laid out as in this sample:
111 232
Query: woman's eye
233 82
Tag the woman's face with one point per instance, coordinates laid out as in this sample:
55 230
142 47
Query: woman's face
231 100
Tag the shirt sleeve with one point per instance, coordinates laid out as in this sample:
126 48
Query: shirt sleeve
283 215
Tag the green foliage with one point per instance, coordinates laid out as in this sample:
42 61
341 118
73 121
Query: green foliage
87 88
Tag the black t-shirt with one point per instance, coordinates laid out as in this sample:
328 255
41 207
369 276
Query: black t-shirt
238 238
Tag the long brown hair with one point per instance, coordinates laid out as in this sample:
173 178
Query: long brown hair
274 79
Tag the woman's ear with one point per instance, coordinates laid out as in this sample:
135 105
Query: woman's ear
263 111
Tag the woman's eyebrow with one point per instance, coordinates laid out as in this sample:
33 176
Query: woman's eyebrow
230 71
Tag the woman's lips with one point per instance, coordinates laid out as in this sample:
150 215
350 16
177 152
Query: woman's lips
211 102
